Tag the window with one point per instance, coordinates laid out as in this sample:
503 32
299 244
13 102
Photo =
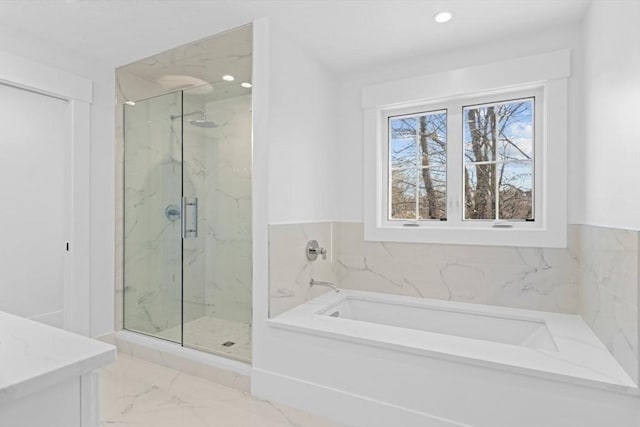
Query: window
471 156
418 166
498 150
498 173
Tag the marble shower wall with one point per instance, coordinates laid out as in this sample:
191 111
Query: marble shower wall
609 290
216 168
217 265
152 242
194 184
531 278
228 283
131 86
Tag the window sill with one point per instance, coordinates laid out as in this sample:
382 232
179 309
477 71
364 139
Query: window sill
521 237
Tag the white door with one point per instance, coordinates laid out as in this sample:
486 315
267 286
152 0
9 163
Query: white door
34 147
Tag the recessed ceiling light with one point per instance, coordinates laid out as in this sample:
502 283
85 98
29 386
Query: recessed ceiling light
245 84
228 78
442 17
131 103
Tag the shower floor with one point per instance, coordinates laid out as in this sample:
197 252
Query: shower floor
210 333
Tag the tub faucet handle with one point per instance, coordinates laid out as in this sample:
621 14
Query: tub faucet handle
323 252
313 250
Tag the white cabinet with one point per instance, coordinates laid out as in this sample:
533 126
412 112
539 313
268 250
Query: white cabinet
48 376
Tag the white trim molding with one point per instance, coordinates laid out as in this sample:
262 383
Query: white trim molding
547 72
78 92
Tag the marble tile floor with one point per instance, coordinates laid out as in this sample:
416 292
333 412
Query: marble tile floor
137 393
209 333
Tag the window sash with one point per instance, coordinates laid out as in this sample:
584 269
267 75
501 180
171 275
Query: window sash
497 161
418 167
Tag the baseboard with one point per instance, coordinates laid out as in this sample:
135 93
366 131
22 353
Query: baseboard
338 405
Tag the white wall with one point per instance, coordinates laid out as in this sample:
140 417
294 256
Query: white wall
102 203
349 158
102 163
612 103
302 134
34 134
294 118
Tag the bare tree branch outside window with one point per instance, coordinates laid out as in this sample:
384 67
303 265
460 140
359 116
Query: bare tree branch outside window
498 169
418 156
498 141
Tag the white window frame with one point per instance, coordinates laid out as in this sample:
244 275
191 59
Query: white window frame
543 76
395 113
455 160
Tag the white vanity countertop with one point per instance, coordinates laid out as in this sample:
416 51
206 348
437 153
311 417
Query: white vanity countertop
34 356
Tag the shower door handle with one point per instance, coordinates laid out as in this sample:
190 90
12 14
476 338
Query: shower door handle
192 229
183 218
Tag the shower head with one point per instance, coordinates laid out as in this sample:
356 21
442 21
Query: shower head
203 123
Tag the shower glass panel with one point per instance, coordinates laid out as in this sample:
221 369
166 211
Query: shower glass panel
152 226
187 269
217 254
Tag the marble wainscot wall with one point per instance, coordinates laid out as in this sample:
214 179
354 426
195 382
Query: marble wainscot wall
531 278
596 276
289 268
609 290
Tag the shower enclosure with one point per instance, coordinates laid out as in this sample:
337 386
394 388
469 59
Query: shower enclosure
187 218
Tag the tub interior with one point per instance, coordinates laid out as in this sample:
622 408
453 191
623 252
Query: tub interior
531 333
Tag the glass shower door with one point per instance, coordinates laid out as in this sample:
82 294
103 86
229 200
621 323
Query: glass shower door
152 219
187 225
217 258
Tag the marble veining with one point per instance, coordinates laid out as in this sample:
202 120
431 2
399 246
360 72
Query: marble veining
211 334
152 182
596 276
228 281
164 158
289 268
137 393
609 292
531 278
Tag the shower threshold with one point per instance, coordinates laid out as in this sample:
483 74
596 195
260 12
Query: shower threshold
223 369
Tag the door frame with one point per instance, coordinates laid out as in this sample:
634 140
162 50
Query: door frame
78 93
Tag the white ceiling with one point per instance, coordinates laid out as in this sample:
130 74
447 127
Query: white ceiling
343 35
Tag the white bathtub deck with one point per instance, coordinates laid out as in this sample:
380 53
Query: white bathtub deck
580 357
